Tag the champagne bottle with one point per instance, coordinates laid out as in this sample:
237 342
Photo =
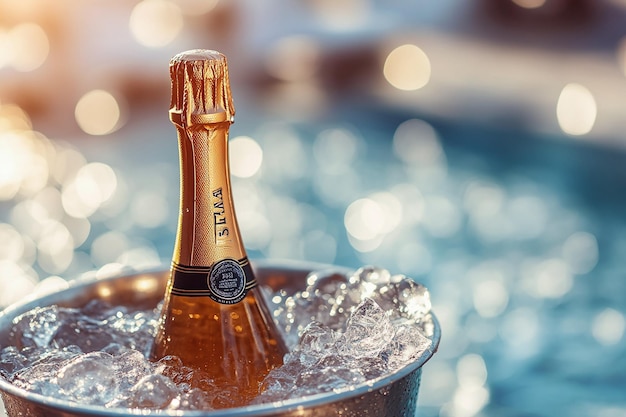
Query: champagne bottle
214 317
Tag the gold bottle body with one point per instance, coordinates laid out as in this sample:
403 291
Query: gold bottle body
214 317
231 344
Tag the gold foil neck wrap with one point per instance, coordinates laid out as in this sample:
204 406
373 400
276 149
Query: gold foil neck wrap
200 89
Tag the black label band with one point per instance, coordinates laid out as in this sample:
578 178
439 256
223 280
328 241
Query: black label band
226 282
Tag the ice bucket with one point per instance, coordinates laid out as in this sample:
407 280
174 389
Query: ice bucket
393 396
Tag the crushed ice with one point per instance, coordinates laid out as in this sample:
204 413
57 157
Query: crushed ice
342 330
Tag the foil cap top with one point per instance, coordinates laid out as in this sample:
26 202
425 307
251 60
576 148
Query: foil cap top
200 89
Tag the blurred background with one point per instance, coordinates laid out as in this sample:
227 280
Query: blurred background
476 146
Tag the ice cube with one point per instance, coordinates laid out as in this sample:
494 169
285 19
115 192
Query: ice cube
368 331
194 399
134 329
97 325
371 368
185 378
38 356
320 283
329 373
168 364
304 361
40 371
372 274
404 298
315 342
279 383
151 391
352 337
38 379
173 368
11 360
89 378
131 366
87 333
326 294
407 346
37 326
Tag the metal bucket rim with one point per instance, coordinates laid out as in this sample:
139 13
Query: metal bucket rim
257 409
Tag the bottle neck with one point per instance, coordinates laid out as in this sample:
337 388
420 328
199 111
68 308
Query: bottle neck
207 226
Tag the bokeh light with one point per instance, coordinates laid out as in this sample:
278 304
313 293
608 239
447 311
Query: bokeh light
79 228
608 326
97 113
49 199
156 23
246 156
13 117
23 163
529 4
109 247
255 228
21 281
49 285
93 185
490 298
547 278
581 252
11 243
415 142
467 401
368 220
392 209
55 247
576 109
471 370
407 67
364 219
25 47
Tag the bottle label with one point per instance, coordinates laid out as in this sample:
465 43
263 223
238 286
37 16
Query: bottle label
226 282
